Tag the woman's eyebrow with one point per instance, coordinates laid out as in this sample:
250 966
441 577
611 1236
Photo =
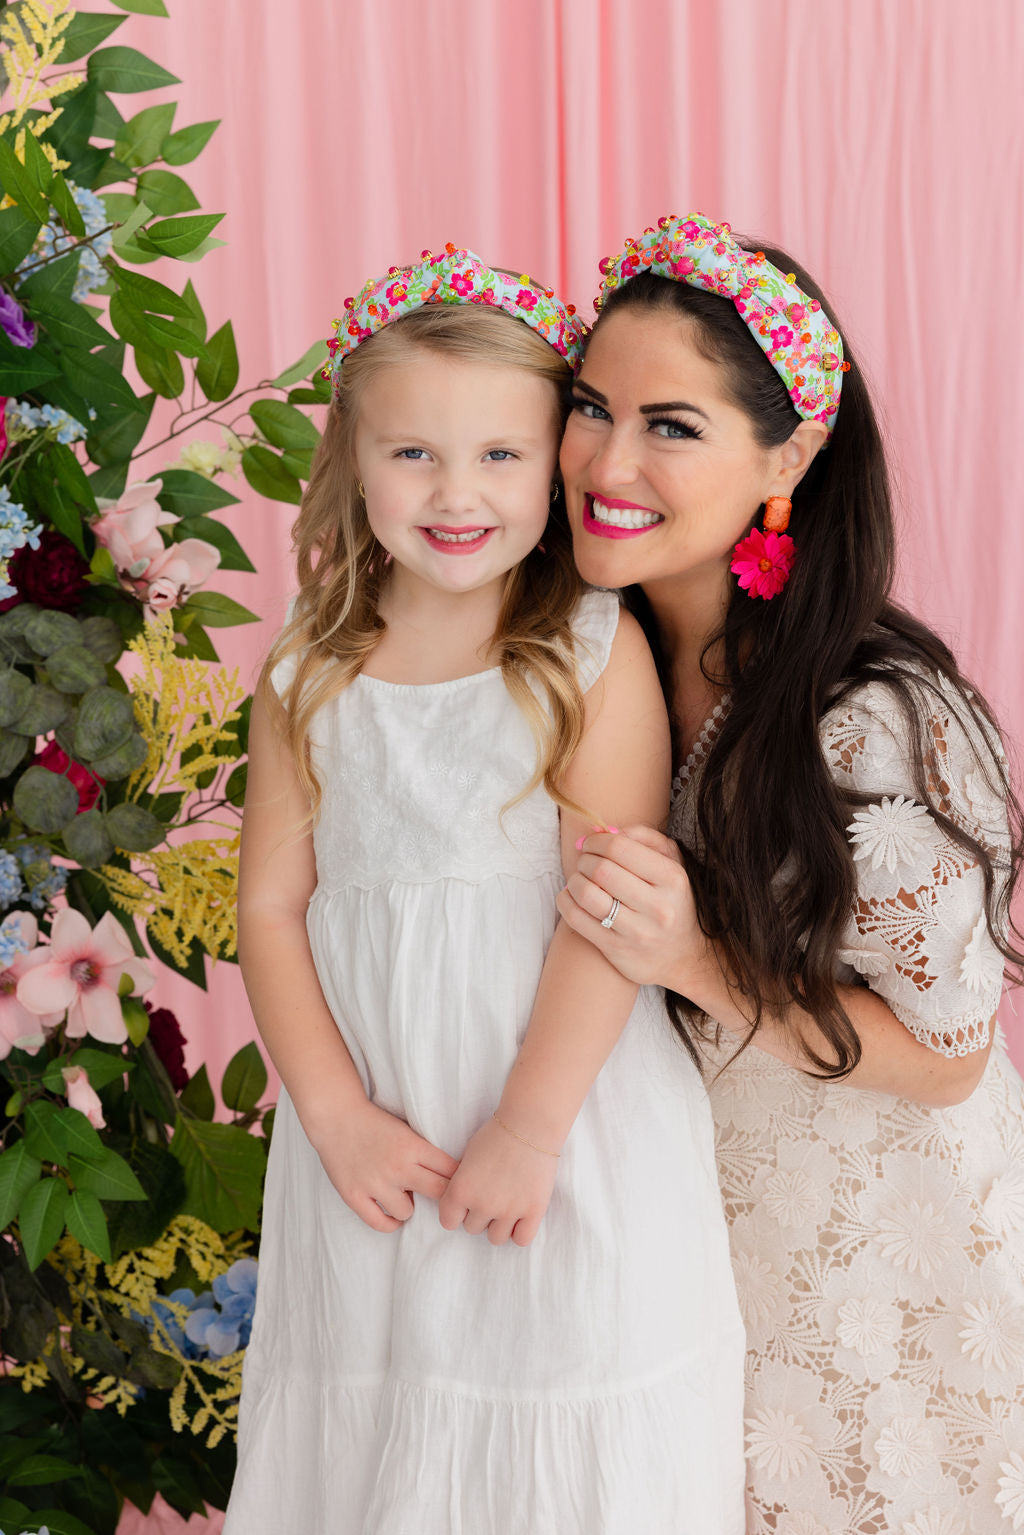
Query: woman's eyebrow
595 394
654 410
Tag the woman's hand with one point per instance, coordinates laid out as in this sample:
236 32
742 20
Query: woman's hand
502 1187
655 939
377 1163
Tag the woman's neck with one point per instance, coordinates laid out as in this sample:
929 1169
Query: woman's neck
687 610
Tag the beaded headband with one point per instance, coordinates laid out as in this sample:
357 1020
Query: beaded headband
793 331
454 277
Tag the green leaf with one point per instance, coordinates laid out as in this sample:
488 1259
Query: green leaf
197 646
268 476
140 1224
245 1079
44 1133
123 233
197 1095
232 555
41 1218
143 7
197 319
217 375
66 207
194 968
18 231
108 122
70 134
312 359
71 476
319 393
188 494
283 425
19 1169
119 435
58 1521
224 1168
136 1019
22 367
79 1135
234 789
201 250
161 370
18 184
102 383
140 140
37 164
103 1068
125 70
167 193
110 1178
87 1222
174 237
87 30
181 147
55 277
215 611
40 1470
178 337
148 294
68 322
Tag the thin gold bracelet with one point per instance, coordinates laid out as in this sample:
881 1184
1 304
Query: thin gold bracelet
516 1136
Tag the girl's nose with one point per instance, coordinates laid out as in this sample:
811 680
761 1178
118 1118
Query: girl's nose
456 492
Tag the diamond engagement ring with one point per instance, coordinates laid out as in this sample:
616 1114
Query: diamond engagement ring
609 921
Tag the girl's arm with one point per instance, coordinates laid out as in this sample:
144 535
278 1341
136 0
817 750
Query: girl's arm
658 940
374 1160
506 1176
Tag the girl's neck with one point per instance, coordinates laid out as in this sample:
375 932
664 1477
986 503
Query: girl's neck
687 610
433 635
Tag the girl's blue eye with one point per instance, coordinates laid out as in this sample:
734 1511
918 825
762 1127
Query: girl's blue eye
500 454
413 454
589 408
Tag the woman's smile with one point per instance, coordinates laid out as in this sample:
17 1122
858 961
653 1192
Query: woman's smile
606 517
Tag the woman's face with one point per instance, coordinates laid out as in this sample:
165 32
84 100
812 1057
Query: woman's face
662 472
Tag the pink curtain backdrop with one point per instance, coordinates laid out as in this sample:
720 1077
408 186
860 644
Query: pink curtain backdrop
882 143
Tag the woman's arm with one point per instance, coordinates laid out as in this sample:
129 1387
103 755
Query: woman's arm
372 1158
505 1179
658 940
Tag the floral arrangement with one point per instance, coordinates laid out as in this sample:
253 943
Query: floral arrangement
128 1211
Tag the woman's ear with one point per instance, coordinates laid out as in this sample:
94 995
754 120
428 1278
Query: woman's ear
794 457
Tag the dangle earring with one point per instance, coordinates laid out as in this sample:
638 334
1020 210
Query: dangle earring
764 559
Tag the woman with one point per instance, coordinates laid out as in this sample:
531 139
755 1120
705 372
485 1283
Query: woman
833 924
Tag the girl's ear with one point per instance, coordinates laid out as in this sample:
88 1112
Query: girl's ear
794 457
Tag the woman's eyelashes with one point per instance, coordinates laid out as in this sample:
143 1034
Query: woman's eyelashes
670 427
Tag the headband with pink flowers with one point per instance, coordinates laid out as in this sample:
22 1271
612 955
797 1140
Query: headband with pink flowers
793 331
454 277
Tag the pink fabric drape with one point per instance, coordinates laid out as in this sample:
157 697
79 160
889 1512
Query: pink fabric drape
882 143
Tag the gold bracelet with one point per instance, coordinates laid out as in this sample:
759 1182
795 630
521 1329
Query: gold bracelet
516 1136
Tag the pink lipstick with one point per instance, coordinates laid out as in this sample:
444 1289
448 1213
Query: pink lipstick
600 529
457 540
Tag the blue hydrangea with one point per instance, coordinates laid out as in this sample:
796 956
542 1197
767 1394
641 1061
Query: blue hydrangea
173 1328
54 239
15 532
45 880
10 879
11 942
24 420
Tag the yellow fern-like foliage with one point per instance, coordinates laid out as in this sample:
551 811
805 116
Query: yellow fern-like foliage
189 893
205 1399
31 41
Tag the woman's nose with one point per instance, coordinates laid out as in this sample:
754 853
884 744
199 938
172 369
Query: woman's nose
614 465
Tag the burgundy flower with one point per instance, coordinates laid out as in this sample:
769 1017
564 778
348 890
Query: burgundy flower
3 425
18 330
56 760
52 575
169 1043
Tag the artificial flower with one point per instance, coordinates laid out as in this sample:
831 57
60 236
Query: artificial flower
20 1029
763 562
18 330
51 573
894 832
3 425
56 760
128 527
170 578
82 1095
169 1043
82 974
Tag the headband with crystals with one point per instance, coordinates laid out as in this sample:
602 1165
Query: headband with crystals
793 331
454 277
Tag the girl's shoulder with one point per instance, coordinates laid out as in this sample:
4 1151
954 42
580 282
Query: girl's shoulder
594 626
282 672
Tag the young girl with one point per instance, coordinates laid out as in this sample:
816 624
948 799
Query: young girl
840 929
494 1294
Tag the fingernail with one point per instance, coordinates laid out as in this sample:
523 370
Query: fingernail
580 841
613 829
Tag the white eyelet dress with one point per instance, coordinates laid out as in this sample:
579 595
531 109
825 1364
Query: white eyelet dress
425 1382
878 1244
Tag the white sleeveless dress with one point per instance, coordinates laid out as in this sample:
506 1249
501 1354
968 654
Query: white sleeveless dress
425 1382
879 1245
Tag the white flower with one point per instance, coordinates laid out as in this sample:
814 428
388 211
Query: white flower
904 1447
981 968
868 958
894 832
801 1524
791 1197
866 1325
991 1332
1004 1203
987 806
919 1221
791 1435
1010 1496
934 1521
201 457
778 1443
795 1193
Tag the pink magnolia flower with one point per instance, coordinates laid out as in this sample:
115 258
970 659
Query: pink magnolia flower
176 572
82 972
20 1029
82 1095
763 562
128 527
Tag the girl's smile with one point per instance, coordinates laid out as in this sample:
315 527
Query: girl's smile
456 540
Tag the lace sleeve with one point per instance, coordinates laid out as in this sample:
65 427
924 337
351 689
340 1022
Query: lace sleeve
593 627
918 934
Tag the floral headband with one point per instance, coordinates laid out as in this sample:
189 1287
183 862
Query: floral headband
454 277
793 331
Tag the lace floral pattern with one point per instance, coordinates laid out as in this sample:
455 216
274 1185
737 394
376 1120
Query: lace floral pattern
878 1245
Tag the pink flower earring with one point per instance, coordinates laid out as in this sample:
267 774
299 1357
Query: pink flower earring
763 560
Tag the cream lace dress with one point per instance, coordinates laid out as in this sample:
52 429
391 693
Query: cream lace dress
425 1382
878 1246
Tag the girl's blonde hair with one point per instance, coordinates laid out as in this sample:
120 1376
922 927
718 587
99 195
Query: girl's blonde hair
336 622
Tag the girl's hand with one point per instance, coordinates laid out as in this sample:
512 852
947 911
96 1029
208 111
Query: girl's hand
502 1187
656 939
377 1162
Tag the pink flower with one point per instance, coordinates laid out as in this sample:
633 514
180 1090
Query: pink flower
763 562
691 230
173 575
397 292
782 335
526 299
128 527
796 313
20 1029
82 1096
462 282
82 973
56 760
683 266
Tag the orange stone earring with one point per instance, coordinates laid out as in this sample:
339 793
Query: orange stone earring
776 514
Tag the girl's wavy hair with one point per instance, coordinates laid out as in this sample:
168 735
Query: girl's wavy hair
342 568
774 879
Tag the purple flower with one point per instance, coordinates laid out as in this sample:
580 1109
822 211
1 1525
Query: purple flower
19 331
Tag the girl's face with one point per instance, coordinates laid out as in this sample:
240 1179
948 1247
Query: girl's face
456 460
662 472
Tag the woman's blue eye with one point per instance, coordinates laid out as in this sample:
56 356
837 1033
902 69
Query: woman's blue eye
673 429
589 408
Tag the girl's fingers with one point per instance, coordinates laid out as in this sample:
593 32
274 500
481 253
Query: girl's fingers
436 1160
524 1231
476 1221
397 1203
498 1232
370 1212
423 1181
451 1213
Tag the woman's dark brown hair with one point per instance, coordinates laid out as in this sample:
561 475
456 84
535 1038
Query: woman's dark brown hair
774 881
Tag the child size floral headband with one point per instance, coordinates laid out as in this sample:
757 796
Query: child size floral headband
454 277
793 331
